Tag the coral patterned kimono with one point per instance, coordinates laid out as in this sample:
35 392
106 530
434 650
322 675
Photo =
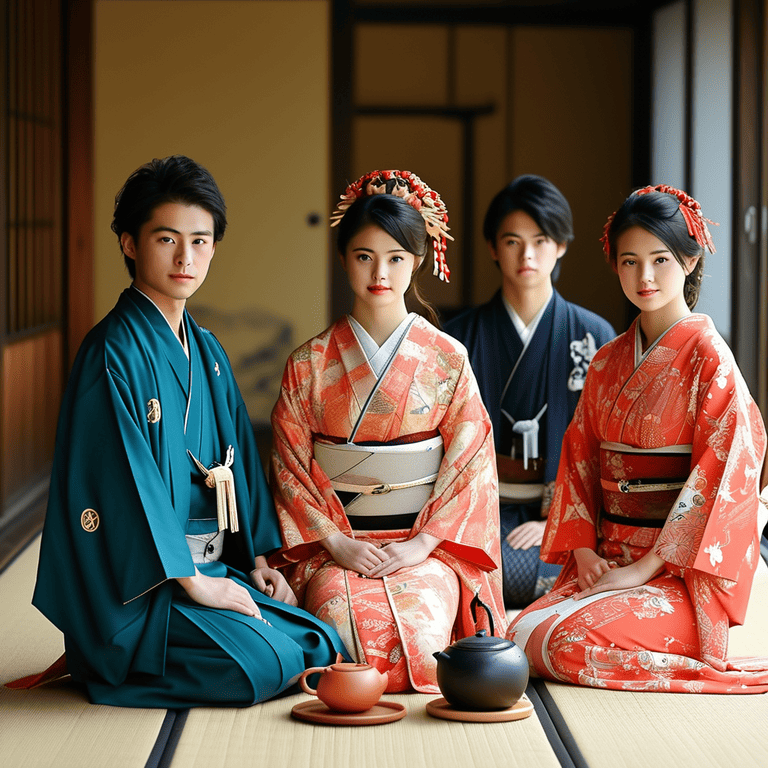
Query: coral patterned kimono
396 622
664 453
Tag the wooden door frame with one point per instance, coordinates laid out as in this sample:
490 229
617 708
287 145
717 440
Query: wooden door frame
79 290
77 215
749 197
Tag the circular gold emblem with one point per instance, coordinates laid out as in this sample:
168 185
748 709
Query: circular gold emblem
90 520
153 414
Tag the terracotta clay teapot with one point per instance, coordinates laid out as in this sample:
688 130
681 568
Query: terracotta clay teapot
345 687
482 672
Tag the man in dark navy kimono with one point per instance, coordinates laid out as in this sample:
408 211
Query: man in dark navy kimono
153 559
529 349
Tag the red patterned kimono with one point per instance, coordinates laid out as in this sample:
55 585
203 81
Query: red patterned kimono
664 452
397 622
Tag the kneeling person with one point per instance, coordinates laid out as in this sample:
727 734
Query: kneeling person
530 349
153 559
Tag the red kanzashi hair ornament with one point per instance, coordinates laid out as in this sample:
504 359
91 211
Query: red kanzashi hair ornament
691 210
416 193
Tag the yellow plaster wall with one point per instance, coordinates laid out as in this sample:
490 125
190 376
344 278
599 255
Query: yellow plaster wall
241 87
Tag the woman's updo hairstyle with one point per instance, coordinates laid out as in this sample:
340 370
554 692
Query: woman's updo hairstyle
660 214
403 223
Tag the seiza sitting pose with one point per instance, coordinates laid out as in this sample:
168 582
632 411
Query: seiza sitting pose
654 516
382 467
153 560
530 349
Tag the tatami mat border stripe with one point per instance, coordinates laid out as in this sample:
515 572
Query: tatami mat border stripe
560 737
170 733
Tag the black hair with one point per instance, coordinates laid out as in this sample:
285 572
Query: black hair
402 222
541 200
174 179
659 213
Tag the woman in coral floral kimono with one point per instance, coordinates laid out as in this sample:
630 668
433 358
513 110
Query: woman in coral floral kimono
383 466
655 510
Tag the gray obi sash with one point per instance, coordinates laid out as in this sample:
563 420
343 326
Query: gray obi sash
385 479
204 540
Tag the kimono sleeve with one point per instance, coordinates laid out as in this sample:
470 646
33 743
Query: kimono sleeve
308 508
463 508
713 525
111 535
577 497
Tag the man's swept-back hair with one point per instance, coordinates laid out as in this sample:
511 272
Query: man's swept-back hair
542 201
174 179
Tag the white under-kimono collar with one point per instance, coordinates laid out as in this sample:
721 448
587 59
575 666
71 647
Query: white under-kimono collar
182 329
379 356
525 332
639 354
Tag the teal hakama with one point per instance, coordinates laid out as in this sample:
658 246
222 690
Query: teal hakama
125 494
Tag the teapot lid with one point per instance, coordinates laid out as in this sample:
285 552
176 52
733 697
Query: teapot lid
481 642
350 667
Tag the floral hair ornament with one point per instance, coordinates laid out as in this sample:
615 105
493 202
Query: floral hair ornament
690 208
415 192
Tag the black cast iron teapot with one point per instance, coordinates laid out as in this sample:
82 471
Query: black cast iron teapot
482 672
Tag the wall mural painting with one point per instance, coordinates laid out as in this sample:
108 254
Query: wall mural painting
258 344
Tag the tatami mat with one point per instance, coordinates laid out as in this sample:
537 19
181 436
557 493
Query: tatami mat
55 725
624 729
268 735
751 639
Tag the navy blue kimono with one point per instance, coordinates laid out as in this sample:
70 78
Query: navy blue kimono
125 493
520 381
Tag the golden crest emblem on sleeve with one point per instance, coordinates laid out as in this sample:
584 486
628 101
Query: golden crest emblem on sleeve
90 520
153 414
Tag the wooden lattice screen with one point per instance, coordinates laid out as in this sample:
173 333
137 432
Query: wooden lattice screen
32 255
33 45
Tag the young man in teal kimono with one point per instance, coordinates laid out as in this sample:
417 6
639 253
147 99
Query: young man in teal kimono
153 560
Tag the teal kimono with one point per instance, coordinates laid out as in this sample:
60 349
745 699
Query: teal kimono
125 494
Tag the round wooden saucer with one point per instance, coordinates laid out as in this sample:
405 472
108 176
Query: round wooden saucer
314 711
442 709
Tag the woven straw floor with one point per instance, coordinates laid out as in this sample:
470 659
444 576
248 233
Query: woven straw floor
56 726
623 729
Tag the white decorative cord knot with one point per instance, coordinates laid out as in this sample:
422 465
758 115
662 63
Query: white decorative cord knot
529 429
221 478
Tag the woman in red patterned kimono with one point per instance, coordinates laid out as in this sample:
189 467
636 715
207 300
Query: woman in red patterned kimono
655 511
383 468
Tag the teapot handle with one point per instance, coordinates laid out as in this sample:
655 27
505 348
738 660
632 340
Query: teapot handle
303 679
473 607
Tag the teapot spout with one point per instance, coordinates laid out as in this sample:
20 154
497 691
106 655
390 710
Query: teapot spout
441 655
